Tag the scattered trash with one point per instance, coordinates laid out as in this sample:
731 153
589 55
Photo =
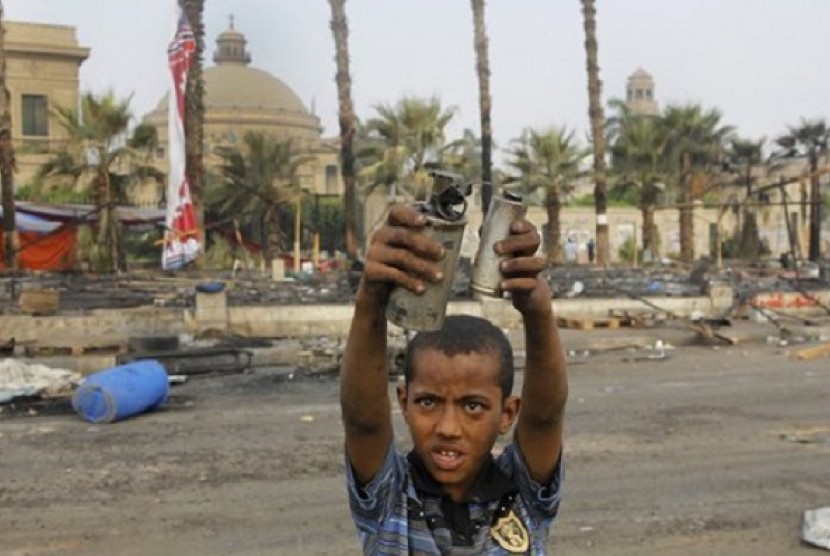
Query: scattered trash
18 379
816 529
813 352
577 288
817 436
307 418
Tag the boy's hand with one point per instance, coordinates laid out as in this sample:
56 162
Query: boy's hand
400 255
529 292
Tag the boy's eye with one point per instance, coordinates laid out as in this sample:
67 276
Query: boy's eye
426 403
473 407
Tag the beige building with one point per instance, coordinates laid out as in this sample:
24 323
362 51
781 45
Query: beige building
241 98
42 65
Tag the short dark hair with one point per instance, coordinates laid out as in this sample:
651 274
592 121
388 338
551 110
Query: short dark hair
465 334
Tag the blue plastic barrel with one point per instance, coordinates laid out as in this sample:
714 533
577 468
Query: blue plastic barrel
121 392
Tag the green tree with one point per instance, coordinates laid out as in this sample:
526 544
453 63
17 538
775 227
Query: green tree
810 140
548 161
347 120
463 156
695 143
96 144
412 133
597 135
485 101
638 149
258 180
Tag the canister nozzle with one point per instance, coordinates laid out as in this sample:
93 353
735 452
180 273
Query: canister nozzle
449 196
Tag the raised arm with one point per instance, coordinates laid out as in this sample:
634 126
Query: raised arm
398 255
545 390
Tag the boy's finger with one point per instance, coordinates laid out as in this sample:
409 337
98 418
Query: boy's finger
415 241
382 273
522 284
519 244
403 260
522 265
403 215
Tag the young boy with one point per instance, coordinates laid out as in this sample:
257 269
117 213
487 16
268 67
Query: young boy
449 496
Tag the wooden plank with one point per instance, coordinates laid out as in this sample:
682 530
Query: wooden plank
76 346
38 301
813 352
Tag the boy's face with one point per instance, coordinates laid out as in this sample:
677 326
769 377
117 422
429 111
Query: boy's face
455 411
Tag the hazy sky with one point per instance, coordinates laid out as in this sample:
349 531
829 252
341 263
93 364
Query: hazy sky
765 64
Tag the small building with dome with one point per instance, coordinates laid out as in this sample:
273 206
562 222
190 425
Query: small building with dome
240 98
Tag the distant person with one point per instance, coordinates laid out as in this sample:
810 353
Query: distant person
571 250
591 246
449 495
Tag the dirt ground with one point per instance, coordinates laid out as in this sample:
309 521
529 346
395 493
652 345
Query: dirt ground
713 452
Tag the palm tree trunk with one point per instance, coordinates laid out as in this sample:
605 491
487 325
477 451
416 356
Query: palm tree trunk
348 127
108 224
687 229
194 120
271 239
7 163
815 208
553 235
597 130
651 239
485 103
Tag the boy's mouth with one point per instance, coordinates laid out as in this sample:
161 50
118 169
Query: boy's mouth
446 460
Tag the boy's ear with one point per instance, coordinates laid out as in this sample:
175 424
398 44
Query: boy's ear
509 412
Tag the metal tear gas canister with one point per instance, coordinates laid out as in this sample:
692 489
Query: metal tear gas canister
445 225
426 311
504 210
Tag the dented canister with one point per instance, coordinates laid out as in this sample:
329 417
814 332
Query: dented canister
426 311
504 210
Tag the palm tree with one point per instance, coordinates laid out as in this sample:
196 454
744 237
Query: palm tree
485 103
257 181
548 161
413 133
695 141
195 116
742 155
811 141
463 156
7 164
95 145
348 122
638 148
597 123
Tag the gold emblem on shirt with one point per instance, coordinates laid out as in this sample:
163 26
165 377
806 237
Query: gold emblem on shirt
511 534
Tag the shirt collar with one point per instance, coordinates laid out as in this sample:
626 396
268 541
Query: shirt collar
490 484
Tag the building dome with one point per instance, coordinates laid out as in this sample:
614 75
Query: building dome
240 99
242 87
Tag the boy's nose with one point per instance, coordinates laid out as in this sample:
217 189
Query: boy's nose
449 426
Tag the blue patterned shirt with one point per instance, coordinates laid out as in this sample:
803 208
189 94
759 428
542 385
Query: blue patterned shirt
394 518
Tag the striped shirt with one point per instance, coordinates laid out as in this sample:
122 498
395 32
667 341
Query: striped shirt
394 518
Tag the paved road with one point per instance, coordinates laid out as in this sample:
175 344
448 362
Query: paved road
712 452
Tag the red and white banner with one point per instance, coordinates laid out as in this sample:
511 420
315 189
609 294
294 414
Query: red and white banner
181 236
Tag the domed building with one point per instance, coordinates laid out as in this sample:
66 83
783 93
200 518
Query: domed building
240 98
